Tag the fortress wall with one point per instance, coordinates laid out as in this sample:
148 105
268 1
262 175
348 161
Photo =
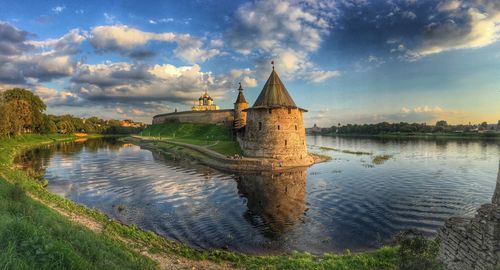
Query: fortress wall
225 117
473 243
281 134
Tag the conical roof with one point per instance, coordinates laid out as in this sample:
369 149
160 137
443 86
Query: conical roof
274 94
241 97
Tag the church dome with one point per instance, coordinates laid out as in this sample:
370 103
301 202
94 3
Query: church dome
210 98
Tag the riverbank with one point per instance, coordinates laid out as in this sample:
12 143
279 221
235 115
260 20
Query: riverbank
466 136
142 249
206 156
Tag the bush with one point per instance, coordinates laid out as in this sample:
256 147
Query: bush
416 252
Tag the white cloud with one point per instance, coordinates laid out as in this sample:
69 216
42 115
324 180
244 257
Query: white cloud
448 5
58 9
134 82
320 76
26 61
285 31
53 97
67 44
476 26
248 82
245 76
123 38
216 43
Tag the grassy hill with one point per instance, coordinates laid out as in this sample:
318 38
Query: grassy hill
175 130
216 137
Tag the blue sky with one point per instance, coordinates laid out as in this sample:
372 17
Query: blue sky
347 61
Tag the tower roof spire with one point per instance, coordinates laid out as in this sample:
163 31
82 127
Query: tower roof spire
274 94
241 97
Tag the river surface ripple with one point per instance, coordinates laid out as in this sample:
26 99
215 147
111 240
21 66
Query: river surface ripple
347 203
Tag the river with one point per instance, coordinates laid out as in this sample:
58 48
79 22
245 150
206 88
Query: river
349 202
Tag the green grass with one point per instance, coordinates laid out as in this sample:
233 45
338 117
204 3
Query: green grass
32 236
216 137
226 148
201 132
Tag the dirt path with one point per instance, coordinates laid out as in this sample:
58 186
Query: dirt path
165 260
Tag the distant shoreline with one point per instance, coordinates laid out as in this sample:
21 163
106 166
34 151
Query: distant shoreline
468 136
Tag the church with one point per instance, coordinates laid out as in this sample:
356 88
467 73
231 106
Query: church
272 128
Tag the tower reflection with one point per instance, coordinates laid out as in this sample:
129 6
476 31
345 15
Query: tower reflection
275 201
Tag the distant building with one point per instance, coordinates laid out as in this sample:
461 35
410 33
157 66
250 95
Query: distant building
205 103
130 123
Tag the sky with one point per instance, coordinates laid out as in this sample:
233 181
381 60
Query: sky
345 61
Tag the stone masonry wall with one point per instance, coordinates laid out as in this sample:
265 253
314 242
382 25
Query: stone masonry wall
240 117
278 133
225 117
473 243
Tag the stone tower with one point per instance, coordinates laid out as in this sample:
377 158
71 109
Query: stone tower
275 126
240 116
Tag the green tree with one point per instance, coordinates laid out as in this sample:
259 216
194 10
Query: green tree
5 114
483 126
26 110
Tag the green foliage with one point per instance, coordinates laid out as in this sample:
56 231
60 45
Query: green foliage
21 112
416 252
406 129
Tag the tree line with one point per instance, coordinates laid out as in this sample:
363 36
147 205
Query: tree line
21 111
402 127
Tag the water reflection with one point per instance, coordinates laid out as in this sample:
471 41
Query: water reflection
275 199
342 204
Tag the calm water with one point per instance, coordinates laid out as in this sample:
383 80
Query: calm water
347 203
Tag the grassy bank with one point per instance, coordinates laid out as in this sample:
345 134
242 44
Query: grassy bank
218 138
33 236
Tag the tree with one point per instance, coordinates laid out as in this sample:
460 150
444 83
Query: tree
5 128
21 118
441 125
483 125
48 126
26 110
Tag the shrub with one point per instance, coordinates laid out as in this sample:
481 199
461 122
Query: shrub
416 252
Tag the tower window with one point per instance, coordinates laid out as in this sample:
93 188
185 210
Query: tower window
289 110
260 125
286 142
295 127
270 111
278 127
